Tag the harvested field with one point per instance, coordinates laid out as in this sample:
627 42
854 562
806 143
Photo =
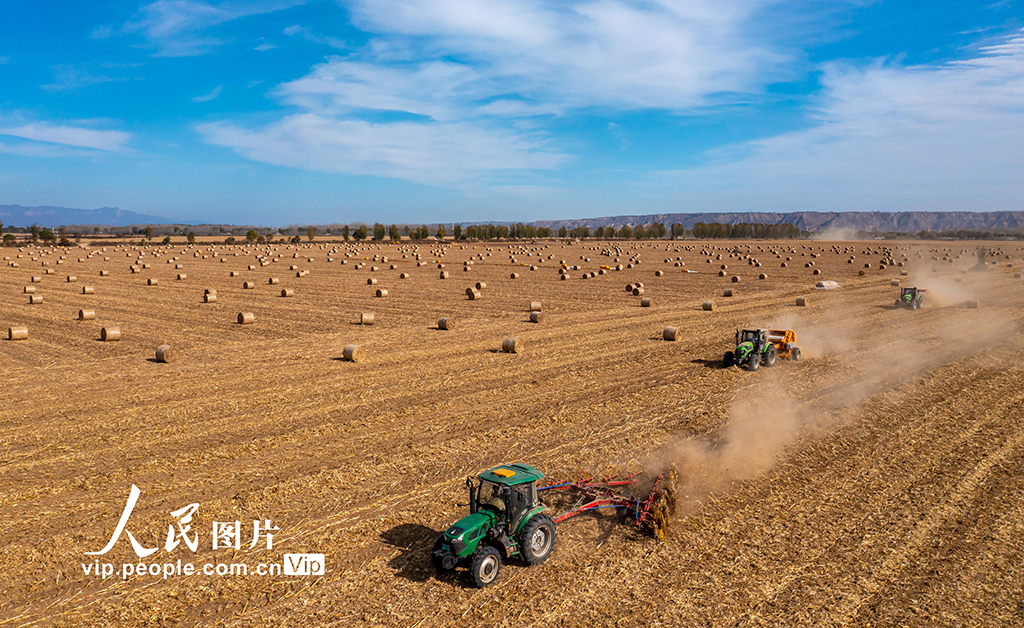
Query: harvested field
877 481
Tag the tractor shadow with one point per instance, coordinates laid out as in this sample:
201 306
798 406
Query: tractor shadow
414 542
711 364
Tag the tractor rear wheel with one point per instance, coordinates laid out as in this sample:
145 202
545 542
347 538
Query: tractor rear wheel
729 359
770 355
485 566
537 539
796 353
754 362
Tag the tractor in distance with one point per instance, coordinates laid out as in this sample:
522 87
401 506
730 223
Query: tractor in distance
755 347
910 298
506 520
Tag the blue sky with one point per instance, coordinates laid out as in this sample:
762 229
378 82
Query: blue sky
284 111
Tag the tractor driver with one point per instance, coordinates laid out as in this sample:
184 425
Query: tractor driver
495 500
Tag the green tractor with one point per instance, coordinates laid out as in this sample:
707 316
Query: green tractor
506 520
753 348
910 298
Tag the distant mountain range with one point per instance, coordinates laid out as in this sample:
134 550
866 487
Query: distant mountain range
820 221
16 215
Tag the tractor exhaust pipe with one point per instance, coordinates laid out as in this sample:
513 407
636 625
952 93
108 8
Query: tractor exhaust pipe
472 496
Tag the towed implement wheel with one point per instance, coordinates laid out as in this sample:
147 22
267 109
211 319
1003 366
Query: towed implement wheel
485 566
537 539
796 353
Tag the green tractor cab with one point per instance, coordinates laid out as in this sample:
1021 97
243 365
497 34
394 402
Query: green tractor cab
753 348
506 520
910 298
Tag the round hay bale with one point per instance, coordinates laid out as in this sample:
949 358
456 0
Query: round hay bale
381 292
629 287
287 292
514 276
273 281
801 301
860 272
17 332
72 279
403 276
658 273
735 278
235 273
36 280
86 315
894 282
209 298
762 276
211 291
248 285
152 282
88 290
708 306
645 302
443 275
465 269
164 354
721 273
481 285
110 334
473 294
246 318
727 292
182 276
354 353
973 304
29 289
366 318
670 333
1016 275
448 322
904 273
535 306
536 317
35 299
371 281
783 265
563 277
816 271
511 345
637 292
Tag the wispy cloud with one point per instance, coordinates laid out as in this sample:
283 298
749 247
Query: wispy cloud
4 60
177 28
71 76
888 136
304 33
208 97
265 47
81 137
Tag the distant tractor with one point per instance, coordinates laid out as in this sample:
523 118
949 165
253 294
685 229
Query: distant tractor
755 347
911 299
507 519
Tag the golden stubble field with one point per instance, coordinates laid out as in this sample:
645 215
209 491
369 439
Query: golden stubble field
876 482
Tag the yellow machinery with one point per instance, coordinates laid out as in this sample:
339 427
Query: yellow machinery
785 343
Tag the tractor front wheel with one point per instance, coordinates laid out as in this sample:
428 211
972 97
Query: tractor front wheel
485 566
729 359
436 558
770 355
537 539
754 362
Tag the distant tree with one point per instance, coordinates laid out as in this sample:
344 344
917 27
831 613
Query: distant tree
626 232
378 231
457 232
296 239
9 239
261 240
393 233
599 232
251 235
46 235
345 232
441 231
639 232
149 233
563 232
167 240
677 230
34 230
424 232
310 232
544 232
609 232
405 230
1 228
269 237
229 240
360 233
191 237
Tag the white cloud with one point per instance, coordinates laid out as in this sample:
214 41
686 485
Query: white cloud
4 60
308 35
69 136
433 154
265 47
70 76
176 27
208 97
891 137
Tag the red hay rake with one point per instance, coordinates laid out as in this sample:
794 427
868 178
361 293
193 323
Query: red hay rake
650 513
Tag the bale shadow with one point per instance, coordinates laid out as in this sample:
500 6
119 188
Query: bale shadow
414 542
